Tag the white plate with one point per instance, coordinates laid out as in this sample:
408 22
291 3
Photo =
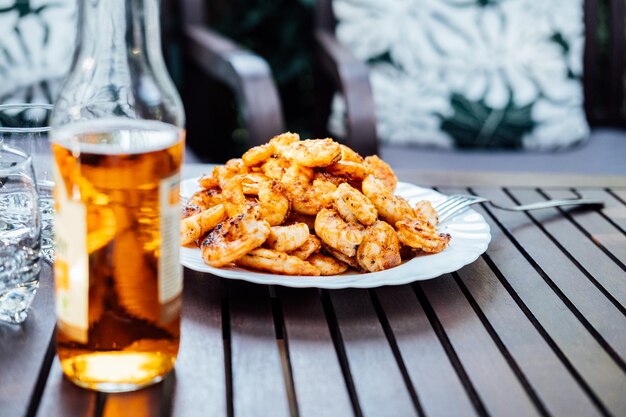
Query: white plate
470 237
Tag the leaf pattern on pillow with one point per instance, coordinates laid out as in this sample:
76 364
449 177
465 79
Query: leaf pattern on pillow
470 73
36 43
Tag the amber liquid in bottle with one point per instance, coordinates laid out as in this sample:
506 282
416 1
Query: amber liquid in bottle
133 288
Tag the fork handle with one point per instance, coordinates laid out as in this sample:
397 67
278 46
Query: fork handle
552 203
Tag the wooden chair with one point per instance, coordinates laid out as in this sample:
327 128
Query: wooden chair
337 69
208 57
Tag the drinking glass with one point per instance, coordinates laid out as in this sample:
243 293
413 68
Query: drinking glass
20 230
25 126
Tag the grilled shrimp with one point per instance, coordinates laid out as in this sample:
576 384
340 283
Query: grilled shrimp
197 225
306 197
295 217
309 247
251 182
312 152
189 210
258 155
275 167
276 262
353 206
422 235
336 233
206 198
327 265
274 205
287 238
390 208
354 171
380 248
381 170
425 210
233 238
284 139
348 155
233 197
233 167
348 260
208 181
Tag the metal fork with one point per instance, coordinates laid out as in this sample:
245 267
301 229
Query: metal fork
455 204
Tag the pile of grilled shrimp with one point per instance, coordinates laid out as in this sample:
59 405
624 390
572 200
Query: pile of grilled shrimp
307 207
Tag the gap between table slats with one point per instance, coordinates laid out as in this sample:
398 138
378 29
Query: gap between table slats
514 328
590 259
430 363
601 318
580 352
319 384
378 381
608 237
259 387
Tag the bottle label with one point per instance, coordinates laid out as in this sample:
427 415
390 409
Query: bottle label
170 269
71 267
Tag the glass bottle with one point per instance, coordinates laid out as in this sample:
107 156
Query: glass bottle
118 140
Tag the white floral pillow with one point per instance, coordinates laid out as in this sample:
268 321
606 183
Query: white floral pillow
36 45
470 73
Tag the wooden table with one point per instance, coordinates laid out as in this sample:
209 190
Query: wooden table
536 326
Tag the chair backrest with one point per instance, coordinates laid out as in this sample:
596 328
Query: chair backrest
604 59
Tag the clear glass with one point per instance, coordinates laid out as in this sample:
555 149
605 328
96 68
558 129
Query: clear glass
20 229
117 139
26 126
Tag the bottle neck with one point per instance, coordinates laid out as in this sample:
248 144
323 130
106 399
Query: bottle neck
128 28
118 69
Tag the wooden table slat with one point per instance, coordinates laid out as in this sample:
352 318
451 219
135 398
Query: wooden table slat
614 208
23 349
378 382
318 380
201 355
257 374
595 370
500 390
603 232
600 266
61 398
544 371
542 368
438 386
585 299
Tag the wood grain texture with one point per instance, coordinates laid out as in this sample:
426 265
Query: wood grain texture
438 387
601 267
61 398
318 380
576 347
542 368
257 375
378 382
495 382
201 355
601 231
23 349
584 296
